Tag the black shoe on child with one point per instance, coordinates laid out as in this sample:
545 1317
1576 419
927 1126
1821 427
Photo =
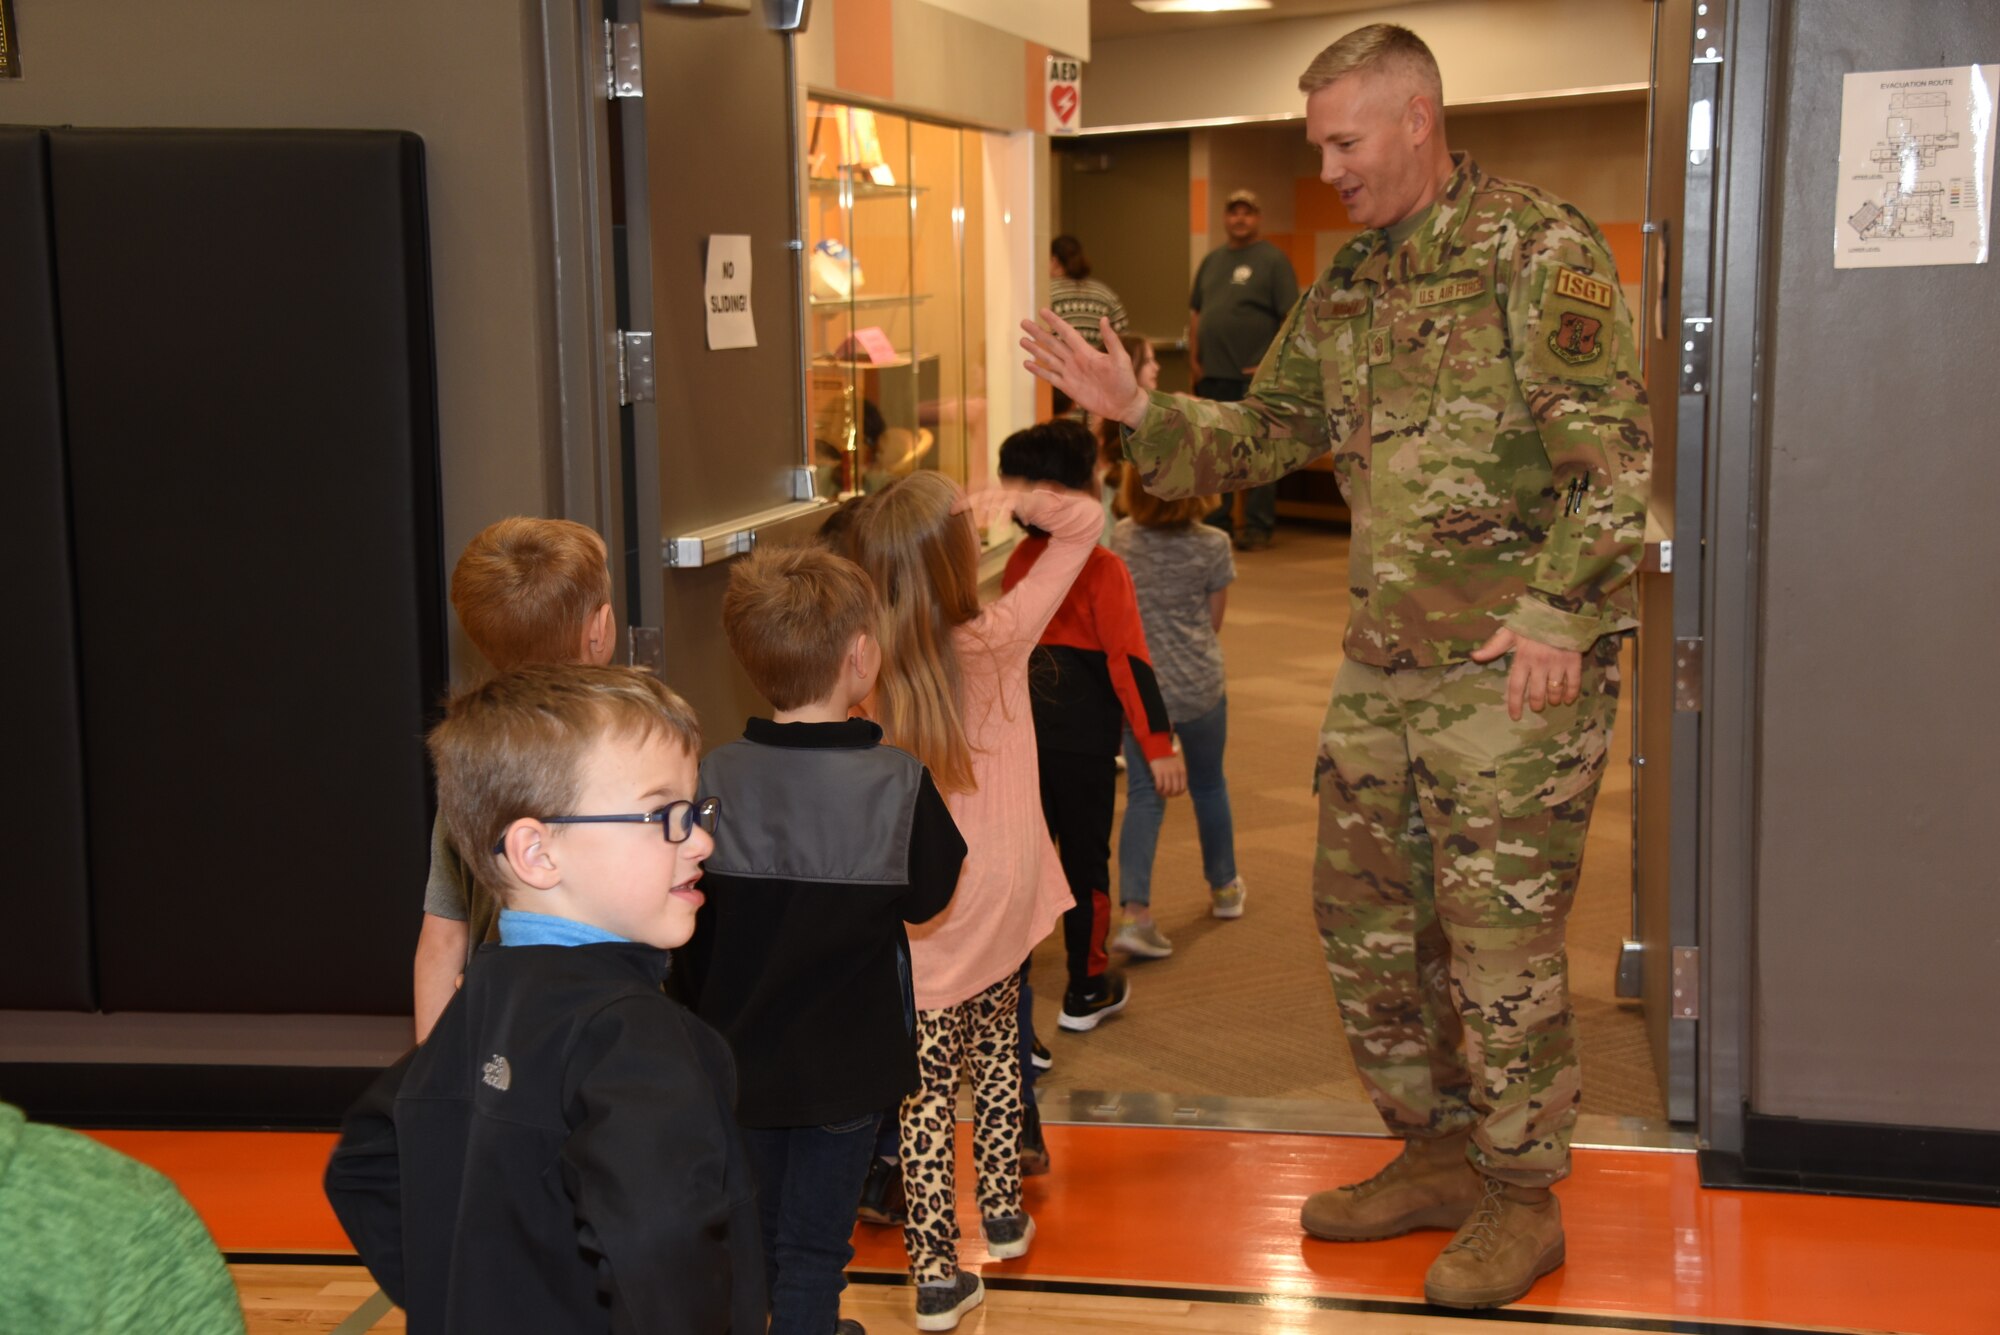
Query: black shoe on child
939 1306
1040 1055
847 1325
882 1195
1081 1011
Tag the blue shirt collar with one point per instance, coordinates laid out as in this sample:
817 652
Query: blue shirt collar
518 928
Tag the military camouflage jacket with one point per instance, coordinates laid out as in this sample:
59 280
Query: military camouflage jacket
1479 389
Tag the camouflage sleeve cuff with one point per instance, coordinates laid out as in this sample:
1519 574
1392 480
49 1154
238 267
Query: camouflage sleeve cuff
1537 620
1146 443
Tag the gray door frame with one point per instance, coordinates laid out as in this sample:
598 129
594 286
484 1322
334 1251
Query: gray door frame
599 287
1724 600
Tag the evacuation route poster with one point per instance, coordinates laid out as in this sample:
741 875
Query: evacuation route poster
1916 167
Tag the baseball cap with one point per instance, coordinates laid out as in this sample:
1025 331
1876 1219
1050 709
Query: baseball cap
1245 197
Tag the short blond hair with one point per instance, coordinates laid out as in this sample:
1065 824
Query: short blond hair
1384 47
790 614
513 747
525 589
1149 511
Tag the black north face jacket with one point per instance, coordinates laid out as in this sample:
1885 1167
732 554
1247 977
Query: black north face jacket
559 1156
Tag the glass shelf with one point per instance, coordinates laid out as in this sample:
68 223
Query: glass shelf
821 185
836 303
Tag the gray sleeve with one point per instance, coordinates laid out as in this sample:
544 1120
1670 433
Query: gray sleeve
1222 570
1194 296
446 893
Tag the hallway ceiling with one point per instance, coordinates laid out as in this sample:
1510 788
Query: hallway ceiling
1110 19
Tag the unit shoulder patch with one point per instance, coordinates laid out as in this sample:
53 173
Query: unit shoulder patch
1582 287
1575 338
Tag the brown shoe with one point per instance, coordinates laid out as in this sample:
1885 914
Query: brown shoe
1513 1239
1429 1185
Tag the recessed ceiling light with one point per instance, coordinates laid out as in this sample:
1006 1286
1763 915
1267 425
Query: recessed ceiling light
1198 6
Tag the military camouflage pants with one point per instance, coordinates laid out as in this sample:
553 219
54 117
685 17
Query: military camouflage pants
1450 839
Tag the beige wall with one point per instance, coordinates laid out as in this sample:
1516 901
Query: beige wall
1490 50
469 85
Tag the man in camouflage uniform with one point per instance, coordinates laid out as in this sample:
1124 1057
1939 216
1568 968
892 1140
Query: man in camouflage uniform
1470 364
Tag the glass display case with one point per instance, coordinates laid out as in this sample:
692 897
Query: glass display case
896 326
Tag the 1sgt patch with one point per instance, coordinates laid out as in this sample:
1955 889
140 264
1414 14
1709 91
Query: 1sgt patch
1380 348
1575 338
1582 287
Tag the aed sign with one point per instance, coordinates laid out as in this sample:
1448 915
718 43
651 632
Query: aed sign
726 294
1062 104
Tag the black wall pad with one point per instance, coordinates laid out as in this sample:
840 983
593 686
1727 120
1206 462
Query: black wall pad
185 1098
1911 1163
45 950
253 458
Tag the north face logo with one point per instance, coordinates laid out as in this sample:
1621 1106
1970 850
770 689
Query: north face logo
497 1073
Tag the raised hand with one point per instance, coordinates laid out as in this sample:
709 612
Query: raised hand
1100 382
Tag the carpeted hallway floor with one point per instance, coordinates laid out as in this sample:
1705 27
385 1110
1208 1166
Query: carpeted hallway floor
1245 1008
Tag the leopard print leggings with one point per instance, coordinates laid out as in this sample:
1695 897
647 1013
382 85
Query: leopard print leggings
983 1034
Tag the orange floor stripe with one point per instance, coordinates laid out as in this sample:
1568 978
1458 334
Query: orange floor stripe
258 1191
1220 1209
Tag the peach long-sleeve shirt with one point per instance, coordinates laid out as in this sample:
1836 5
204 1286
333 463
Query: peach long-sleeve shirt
1012 890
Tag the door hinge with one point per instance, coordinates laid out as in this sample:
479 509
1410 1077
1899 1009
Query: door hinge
1697 333
633 351
1707 25
1687 675
646 647
1685 1004
623 74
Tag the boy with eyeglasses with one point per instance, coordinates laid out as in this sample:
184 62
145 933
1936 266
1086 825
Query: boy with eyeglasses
560 1155
834 842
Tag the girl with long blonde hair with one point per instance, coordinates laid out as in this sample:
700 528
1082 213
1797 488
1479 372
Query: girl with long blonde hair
953 690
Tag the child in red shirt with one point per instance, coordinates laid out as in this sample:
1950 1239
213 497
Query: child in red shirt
1090 678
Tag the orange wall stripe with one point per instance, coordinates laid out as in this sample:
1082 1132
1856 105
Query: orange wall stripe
1198 204
1038 86
1628 249
1316 206
864 47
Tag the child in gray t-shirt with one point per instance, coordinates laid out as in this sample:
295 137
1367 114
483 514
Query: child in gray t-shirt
1181 571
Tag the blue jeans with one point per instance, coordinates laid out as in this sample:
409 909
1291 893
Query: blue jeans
808 1183
1202 743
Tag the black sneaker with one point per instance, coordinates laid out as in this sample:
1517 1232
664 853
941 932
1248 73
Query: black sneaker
1034 1153
1081 1011
939 1306
882 1195
1008 1237
1040 1055
847 1325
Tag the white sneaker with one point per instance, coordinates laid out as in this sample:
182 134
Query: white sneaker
1227 901
1143 940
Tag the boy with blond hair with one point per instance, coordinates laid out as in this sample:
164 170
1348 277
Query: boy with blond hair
527 591
835 841
560 1155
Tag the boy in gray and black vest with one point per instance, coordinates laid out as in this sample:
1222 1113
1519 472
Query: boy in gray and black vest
835 842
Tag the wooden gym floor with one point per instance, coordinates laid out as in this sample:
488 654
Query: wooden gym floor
1171 1230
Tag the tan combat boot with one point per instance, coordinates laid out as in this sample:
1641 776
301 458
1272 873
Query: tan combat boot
1513 1239
1429 1185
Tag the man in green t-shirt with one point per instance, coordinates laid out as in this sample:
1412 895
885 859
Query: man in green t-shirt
1242 293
